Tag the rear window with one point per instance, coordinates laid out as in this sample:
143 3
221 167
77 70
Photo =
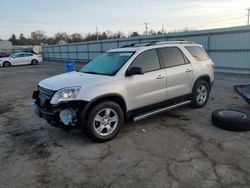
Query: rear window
197 52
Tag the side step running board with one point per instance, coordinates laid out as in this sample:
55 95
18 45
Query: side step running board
160 110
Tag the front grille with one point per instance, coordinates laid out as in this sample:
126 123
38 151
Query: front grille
45 91
45 96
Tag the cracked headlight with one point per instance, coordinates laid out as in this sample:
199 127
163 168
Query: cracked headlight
65 94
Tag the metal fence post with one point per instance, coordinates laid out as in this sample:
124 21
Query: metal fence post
117 43
101 47
77 52
53 51
208 42
60 52
88 51
68 51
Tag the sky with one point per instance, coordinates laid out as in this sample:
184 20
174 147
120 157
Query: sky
82 16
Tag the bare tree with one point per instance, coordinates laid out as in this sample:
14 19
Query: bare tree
76 37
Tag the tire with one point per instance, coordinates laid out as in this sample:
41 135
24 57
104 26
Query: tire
34 62
104 121
6 64
200 94
232 120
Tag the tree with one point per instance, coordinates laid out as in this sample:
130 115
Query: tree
22 40
61 36
38 35
118 35
134 34
152 32
13 39
103 36
76 37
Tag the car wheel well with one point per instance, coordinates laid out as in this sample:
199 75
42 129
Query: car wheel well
6 62
115 98
206 78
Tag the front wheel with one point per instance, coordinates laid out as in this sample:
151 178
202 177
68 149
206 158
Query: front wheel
200 94
6 64
104 121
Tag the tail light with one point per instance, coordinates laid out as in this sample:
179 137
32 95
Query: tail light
213 66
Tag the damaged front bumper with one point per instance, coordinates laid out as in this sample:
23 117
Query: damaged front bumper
64 115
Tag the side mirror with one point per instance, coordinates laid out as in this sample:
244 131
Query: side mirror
133 71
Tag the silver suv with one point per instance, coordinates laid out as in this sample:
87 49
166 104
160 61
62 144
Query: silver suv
134 81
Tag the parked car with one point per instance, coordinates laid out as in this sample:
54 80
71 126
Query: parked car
3 55
21 59
135 82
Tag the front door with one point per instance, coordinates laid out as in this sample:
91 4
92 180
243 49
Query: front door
150 87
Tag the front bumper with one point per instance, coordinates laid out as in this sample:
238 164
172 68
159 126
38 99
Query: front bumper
42 113
51 113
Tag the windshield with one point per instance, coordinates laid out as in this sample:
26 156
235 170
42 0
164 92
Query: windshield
12 55
107 64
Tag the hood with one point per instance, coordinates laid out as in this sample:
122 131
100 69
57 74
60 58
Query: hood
73 79
4 58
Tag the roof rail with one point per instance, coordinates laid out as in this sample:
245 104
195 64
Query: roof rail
175 42
139 44
152 43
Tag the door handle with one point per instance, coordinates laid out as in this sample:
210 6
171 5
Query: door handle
189 70
160 77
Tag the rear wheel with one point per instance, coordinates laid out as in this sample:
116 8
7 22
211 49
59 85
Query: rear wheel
34 62
6 64
104 121
200 94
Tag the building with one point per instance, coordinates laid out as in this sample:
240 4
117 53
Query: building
5 45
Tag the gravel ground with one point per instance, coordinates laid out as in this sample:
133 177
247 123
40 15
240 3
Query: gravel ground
180 148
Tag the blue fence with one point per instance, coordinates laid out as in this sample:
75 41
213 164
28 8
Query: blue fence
229 48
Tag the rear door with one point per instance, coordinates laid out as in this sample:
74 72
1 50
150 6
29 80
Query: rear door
178 70
26 58
150 87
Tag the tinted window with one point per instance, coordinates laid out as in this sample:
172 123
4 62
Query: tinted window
197 52
171 57
19 55
147 61
28 54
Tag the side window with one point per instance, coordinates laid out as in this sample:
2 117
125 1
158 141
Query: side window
197 52
147 61
172 56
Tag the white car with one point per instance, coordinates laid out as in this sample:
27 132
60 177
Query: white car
135 82
21 58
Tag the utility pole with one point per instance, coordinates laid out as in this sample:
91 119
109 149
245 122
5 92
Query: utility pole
146 26
96 32
162 29
248 15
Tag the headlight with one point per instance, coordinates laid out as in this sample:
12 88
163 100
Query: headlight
65 94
